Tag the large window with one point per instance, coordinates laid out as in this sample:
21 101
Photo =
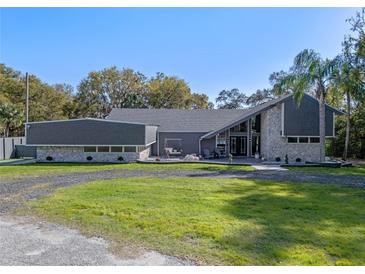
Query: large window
89 149
256 123
242 127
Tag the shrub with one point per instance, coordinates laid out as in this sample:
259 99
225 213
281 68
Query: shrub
277 159
49 158
89 158
298 160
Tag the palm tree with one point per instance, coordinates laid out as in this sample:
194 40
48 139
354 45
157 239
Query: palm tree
10 117
347 80
309 74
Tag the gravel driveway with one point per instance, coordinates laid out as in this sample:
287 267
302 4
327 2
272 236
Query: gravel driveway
24 241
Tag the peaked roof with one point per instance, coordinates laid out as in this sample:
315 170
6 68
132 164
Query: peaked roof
209 121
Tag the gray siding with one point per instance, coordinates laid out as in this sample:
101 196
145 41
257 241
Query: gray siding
86 132
25 151
190 141
208 144
304 120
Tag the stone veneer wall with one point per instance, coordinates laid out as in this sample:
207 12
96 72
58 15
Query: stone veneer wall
77 154
274 145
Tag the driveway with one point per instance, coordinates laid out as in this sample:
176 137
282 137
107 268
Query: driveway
25 241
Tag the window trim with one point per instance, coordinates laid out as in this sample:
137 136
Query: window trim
309 139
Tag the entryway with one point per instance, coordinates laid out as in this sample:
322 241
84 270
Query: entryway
238 145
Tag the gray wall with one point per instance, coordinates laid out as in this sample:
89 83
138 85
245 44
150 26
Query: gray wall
25 151
151 134
77 154
274 145
208 144
190 141
87 132
304 120
7 147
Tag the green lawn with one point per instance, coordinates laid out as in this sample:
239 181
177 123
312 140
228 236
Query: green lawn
34 170
356 170
219 221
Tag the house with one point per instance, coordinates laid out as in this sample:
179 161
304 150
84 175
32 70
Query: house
273 129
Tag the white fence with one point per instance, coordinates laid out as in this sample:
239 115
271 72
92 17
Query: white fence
7 147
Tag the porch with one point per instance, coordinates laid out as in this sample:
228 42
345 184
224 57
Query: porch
241 139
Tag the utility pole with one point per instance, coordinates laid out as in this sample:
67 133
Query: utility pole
27 102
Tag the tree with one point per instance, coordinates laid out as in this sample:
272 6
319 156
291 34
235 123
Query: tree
309 73
168 92
45 102
102 90
10 117
260 96
349 77
231 99
200 101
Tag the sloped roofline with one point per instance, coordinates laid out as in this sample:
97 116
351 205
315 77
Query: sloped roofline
90 119
257 109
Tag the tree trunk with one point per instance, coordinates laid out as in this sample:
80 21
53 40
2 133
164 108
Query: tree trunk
322 127
348 116
7 130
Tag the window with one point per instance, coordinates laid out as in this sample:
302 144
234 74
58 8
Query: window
89 149
314 140
116 149
256 123
242 127
303 139
130 149
292 140
103 149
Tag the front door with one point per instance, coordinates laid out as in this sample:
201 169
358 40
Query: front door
238 145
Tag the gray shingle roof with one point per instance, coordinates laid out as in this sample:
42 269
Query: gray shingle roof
178 120
207 121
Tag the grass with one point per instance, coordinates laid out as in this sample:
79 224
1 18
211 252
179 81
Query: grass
219 221
355 171
43 169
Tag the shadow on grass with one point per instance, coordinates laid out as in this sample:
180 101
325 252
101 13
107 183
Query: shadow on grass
298 224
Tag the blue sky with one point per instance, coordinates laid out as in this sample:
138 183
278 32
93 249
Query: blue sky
212 49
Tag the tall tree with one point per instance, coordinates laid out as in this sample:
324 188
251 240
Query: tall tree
110 87
351 66
260 96
200 101
309 73
168 92
10 117
231 99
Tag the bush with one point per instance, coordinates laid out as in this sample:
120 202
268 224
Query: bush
49 158
120 158
277 159
298 160
89 158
